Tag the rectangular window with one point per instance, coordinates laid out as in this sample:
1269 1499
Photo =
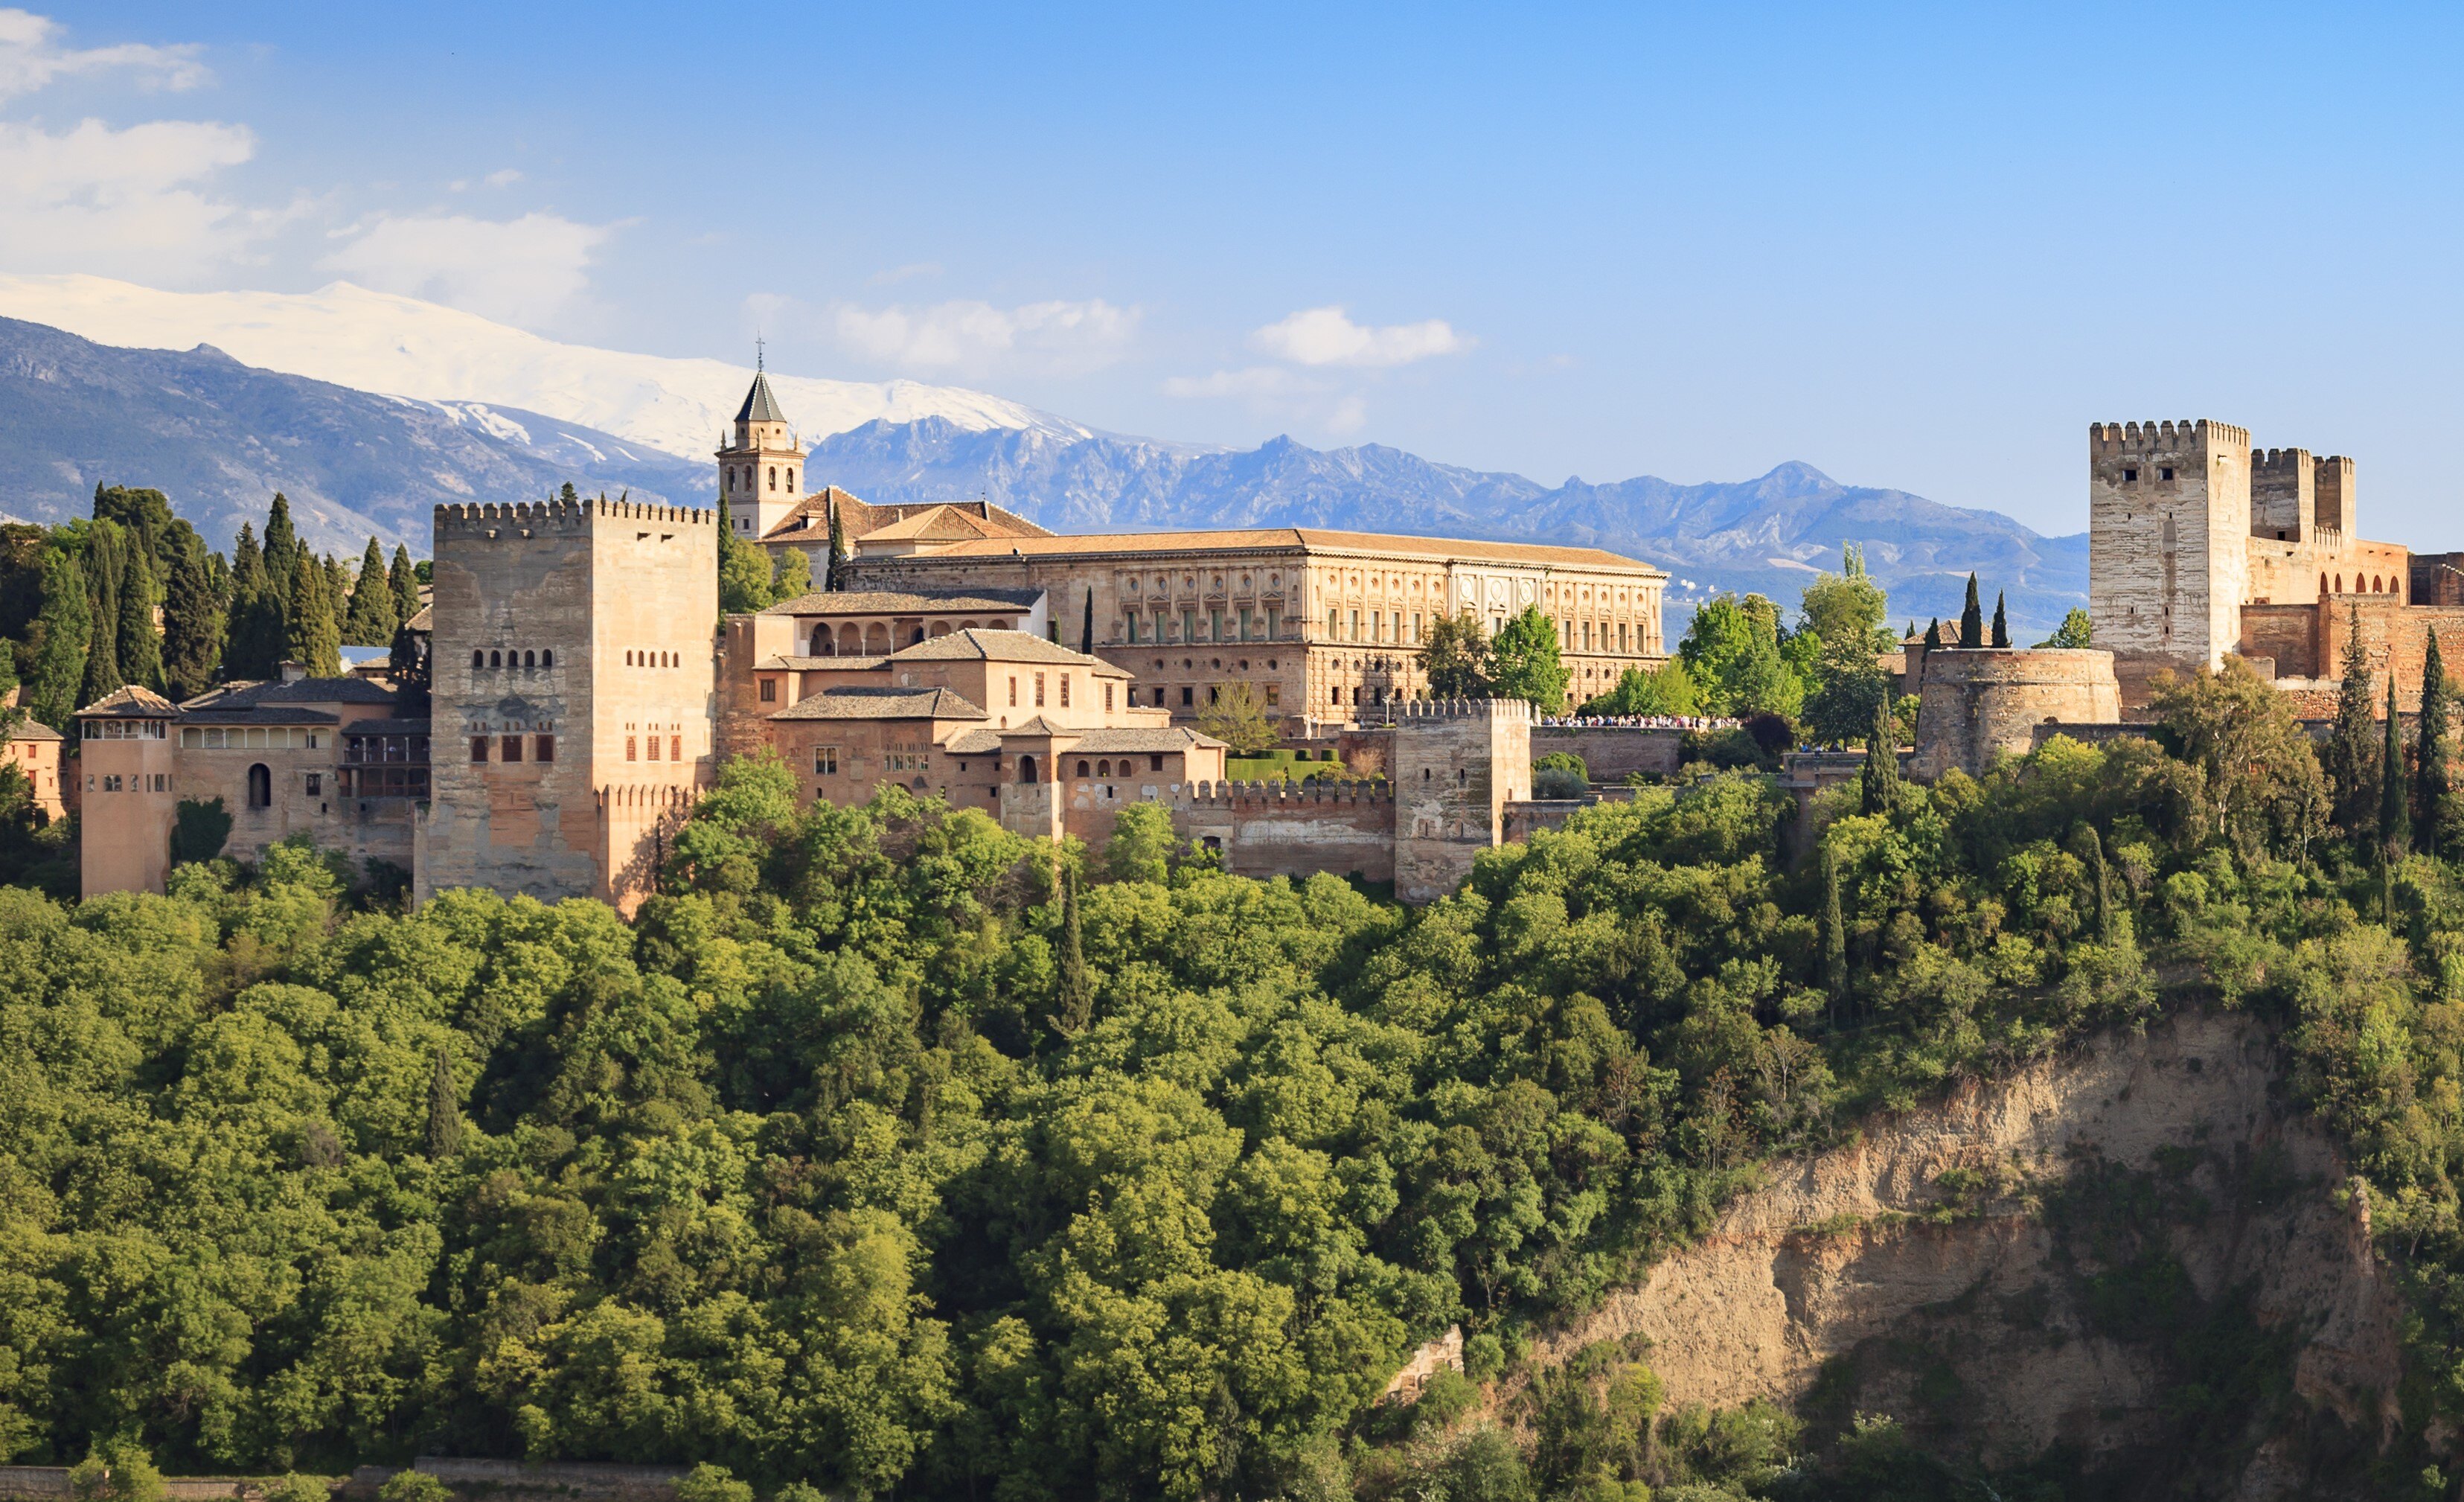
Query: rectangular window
1186 695
1272 623
1065 691
478 748
825 761
1158 697
1013 691
111 782
316 783
769 691
1333 625
1108 698
1039 691
509 748
542 748
1355 625
1416 626
628 748
1274 696
654 747
1154 763
676 748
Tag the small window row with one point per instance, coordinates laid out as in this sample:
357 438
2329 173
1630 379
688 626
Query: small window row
652 659
508 658
509 748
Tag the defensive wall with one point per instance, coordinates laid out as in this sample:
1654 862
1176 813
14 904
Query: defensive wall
1978 703
1612 752
1290 829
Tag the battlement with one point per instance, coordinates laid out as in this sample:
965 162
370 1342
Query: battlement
1507 708
2279 458
487 518
1317 792
2167 436
654 797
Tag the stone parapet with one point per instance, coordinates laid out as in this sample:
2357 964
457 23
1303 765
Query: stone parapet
1979 703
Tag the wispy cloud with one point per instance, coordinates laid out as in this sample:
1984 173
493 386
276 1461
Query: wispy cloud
131 203
520 271
1283 394
1328 337
975 338
907 273
32 57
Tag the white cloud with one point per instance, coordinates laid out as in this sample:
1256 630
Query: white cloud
503 177
976 337
32 57
124 202
907 273
517 271
1328 337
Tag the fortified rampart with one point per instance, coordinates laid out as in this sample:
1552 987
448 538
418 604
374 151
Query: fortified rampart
1291 828
1978 703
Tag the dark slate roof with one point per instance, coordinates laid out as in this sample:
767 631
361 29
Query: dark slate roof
760 406
975 743
1002 647
872 703
344 689
386 727
130 702
30 729
888 602
257 715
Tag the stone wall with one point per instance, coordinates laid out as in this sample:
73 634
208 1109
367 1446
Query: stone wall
1980 703
1457 764
2286 633
2168 529
2395 638
1290 829
1613 752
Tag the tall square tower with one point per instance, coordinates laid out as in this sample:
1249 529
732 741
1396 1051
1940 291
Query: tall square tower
2168 538
1457 764
573 696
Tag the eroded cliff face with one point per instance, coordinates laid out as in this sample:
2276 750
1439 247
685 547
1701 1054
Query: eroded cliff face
2137 1251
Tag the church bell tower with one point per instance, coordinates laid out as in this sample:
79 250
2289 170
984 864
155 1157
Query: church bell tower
761 466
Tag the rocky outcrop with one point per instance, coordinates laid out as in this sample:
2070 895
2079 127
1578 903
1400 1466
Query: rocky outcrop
2108 1250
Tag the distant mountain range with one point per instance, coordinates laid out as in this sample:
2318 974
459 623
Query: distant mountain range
481 412
220 438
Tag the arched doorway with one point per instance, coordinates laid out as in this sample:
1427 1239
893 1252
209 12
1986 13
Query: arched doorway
1026 769
260 787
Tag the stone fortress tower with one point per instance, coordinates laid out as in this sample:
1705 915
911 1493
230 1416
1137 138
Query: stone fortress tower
1455 765
574 693
2168 518
760 464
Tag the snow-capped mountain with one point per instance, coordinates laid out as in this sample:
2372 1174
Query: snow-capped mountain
402 347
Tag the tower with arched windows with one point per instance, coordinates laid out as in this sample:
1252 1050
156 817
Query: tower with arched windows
760 465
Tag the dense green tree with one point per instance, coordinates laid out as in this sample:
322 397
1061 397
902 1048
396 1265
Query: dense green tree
747 578
1933 636
106 566
282 542
1073 996
1525 664
371 618
1667 689
1851 687
405 582
834 577
312 640
1732 650
1086 625
792 578
1235 715
63 629
140 647
1972 618
1454 657
2001 622
2395 786
258 631
2075 630
1847 610
2352 742
193 625
1878 780
444 1108
1834 933
2431 748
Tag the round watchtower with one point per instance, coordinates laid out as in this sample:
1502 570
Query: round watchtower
1979 702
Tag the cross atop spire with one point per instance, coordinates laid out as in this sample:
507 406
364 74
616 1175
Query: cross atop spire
756 354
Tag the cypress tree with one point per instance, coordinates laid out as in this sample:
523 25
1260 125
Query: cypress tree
2395 789
64 628
141 649
193 625
1933 636
2001 622
371 619
2100 883
1972 618
1878 784
1075 997
2352 757
257 630
104 565
405 581
337 586
444 1109
1087 626
834 578
281 541
311 638
2429 750
1835 935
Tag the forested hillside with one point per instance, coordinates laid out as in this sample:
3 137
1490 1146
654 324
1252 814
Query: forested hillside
883 1155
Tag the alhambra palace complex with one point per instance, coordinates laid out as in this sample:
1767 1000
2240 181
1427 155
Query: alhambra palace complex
580 700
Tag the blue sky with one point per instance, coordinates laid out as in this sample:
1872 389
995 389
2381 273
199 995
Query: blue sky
1913 247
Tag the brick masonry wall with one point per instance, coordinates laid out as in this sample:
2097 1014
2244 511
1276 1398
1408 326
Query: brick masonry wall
1287 829
1613 752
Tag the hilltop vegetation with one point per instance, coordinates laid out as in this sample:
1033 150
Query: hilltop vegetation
884 1155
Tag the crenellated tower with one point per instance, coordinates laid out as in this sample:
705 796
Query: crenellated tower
2169 521
760 465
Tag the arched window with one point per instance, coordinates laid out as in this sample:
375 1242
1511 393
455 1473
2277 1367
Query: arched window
791 490
774 477
1103 769
478 658
547 658
1082 769
1026 769
2340 584
731 476
823 646
2322 584
495 659
628 659
260 787
530 659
